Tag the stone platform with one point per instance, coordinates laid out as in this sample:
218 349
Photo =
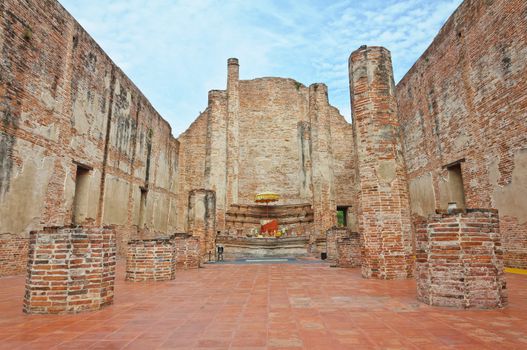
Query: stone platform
248 247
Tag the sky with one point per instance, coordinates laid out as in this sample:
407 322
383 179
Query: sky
175 51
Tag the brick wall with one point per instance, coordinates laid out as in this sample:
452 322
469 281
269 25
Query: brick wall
13 256
70 270
383 208
66 104
349 251
460 260
465 100
186 250
269 134
150 260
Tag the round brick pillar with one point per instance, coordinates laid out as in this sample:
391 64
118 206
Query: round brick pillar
384 209
460 261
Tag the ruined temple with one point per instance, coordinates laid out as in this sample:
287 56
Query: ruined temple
269 134
427 181
80 144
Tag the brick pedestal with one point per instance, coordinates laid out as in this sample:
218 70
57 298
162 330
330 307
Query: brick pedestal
150 260
70 270
348 251
460 261
186 252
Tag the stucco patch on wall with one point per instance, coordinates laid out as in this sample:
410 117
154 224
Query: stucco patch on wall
511 198
422 198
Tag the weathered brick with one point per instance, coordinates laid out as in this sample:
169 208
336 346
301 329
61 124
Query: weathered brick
462 277
383 211
70 288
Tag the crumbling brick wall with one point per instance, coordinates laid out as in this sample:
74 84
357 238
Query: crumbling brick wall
349 251
70 270
187 252
269 134
13 256
67 106
465 101
460 260
332 237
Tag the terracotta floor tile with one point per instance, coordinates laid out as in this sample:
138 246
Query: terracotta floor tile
255 307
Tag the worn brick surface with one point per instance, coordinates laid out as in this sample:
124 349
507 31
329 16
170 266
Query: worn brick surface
70 270
465 99
268 134
383 207
202 220
157 259
150 260
332 236
13 256
187 252
349 251
460 260
64 102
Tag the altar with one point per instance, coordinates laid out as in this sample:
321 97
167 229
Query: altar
254 247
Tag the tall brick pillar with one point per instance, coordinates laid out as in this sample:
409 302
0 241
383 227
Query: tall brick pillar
233 146
324 205
383 210
202 220
216 154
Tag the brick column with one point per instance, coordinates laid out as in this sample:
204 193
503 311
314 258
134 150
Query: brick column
384 210
202 220
233 130
460 261
70 270
150 260
324 205
216 155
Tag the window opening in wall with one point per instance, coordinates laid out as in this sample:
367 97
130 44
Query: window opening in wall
142 207
342 219
456 196
80 200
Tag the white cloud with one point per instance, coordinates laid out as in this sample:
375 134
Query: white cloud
175 51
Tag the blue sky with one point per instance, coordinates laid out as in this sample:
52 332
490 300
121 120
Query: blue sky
176 51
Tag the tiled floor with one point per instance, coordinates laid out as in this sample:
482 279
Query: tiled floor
270 306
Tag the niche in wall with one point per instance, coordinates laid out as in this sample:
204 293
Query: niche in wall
80 199
456 192
142 207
